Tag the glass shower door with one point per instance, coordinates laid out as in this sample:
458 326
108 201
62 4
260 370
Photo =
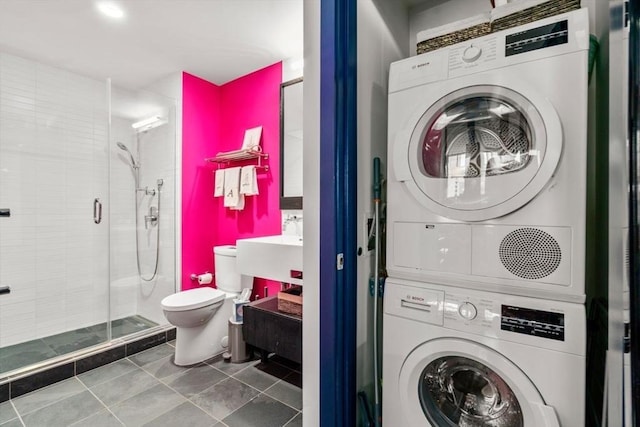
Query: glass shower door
54 227
142 210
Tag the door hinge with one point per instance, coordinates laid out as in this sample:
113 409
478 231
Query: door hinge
340 261
627 338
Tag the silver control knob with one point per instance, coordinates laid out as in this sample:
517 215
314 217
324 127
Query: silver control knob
468 311
471 53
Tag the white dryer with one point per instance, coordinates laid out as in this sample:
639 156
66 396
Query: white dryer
487 158
459 357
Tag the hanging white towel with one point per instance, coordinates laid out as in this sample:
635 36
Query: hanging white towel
231 187
249 181
218 183
240 205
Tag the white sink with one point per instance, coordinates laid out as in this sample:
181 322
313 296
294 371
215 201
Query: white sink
271 257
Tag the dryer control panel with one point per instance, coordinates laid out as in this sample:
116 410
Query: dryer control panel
537 38
470 55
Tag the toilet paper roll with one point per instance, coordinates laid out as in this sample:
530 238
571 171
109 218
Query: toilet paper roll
205 279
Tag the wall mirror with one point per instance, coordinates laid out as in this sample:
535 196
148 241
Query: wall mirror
291 144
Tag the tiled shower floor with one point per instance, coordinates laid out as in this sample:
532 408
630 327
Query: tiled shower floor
147 389
26 353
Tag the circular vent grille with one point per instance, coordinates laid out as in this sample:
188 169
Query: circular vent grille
530 253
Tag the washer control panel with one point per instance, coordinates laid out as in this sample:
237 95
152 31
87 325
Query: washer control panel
488 317
445 311
539 323
471 313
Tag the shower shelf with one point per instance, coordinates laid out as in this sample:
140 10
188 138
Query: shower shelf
228 157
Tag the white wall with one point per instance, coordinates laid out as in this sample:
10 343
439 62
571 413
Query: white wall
312 206
53 163
382 39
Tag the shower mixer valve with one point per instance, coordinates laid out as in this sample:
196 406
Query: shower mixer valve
152 218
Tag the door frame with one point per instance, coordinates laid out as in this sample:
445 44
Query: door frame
338 187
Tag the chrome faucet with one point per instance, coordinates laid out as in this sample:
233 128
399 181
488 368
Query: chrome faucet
292 219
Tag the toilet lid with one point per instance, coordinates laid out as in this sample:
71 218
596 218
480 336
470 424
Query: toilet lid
192 299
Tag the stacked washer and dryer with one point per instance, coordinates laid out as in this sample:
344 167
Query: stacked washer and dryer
484 317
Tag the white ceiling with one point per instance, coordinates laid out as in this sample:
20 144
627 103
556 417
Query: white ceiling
218 40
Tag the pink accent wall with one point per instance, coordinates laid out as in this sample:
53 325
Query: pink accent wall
215 119
250 101
200 129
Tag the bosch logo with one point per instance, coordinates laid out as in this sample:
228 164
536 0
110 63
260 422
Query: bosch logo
424 64
414 298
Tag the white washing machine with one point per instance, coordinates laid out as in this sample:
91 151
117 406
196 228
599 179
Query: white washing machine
487 158
459 357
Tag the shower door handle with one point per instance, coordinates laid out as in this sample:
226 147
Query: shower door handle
97 211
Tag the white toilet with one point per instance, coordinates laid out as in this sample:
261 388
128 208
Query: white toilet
201 315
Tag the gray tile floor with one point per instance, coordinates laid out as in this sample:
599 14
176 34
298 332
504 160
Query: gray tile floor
26 353
146 389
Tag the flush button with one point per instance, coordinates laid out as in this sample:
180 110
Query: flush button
468 311
471 53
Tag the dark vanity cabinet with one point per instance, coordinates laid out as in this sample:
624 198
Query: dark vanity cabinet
272 331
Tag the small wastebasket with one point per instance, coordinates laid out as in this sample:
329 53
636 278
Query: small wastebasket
237 346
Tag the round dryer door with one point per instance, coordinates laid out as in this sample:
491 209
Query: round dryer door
482 151
450 382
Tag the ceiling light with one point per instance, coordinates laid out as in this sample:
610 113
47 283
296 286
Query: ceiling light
148 123
110 9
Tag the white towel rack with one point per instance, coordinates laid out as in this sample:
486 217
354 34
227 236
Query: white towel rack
241 155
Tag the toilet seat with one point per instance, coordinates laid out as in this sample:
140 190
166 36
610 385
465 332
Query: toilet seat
192 299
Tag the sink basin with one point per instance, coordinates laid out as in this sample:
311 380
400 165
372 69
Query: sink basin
271 257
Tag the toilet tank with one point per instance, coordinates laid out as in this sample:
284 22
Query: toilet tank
227 277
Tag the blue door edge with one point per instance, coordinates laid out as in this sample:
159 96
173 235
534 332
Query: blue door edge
338 215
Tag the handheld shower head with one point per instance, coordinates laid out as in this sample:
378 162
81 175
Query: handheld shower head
123 147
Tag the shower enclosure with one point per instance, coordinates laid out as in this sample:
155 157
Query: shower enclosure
87 213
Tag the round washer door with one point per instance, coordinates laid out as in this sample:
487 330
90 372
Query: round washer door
454 382
481 151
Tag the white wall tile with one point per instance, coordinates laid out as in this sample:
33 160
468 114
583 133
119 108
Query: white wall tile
51 136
